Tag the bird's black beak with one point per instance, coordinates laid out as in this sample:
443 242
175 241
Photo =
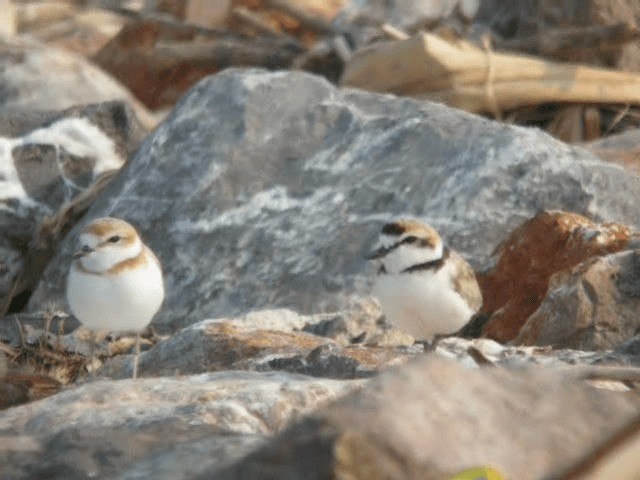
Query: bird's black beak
379 253
85 250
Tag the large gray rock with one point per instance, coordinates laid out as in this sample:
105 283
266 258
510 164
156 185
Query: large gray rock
528 423
266 190
166 428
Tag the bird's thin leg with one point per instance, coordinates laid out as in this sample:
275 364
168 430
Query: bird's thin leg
137 355
93 338
430 345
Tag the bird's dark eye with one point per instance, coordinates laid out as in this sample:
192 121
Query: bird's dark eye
410 239
114 239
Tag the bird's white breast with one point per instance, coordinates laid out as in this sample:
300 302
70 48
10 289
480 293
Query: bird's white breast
423 303
127 300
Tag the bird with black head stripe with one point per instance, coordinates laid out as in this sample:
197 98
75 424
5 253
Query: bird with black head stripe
425 288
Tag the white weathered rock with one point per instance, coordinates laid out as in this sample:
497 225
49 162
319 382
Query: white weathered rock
265 190
108 428
232 401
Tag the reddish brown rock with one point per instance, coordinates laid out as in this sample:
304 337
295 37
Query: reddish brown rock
594 306
158 62
550 242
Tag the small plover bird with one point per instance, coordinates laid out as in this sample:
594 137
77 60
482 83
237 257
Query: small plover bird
424 288
115 281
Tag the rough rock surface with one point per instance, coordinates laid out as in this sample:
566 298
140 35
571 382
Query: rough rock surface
47 160
447 419
363 18
198 425
177 427
550 242
13 328
594 306
278 340
214 345
623 148
84 32
520 20
264 190
36 77
484 352
246 212
120 429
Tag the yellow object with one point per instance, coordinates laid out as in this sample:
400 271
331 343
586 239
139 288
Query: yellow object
479 473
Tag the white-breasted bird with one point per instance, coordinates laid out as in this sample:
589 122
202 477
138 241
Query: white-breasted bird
115 281
425 288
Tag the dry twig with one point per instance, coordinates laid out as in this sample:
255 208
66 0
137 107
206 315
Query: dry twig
428 67
394 33
479 357
312 22
247 16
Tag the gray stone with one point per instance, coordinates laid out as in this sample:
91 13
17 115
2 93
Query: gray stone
525 19
169 427
527 423
265 190
631 347
176 427
14 328
244 344
363 18
594 306
623 148
214 345
626 141
36 77
482 352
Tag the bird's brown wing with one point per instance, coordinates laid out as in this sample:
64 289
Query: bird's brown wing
466 284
